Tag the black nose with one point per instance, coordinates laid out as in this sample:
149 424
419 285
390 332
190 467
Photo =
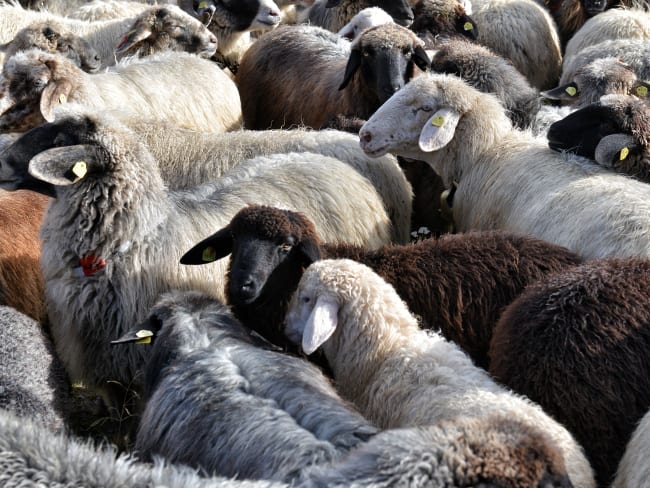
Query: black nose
247 289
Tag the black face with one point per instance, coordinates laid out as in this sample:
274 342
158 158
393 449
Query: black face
14 160
241 13
593 7
581 131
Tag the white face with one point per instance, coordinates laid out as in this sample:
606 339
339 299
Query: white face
268 16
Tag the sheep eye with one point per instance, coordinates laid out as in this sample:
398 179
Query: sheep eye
366 53
427 108
40 82
285 248
408 54
305 299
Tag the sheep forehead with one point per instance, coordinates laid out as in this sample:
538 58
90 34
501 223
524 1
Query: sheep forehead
606 68
263 222
386 36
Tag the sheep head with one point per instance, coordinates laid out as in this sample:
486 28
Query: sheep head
239 15
385 56
167 29
443 17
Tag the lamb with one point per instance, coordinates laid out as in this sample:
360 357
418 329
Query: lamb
112 237
36 82
365 19
31 455
33 382
508 180
523 32
188 158
305 68
457 284
633 470
224 401
21 278
395 373
433 18
576 343
332 15
497 450
51 37
613 132
489 73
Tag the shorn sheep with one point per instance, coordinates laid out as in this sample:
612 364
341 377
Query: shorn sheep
314 74
33 382
577 343
223 400
332 15
31 455
35 82
113 235
508 180
633 471
614 132
457 284
397 374
52 37
464 451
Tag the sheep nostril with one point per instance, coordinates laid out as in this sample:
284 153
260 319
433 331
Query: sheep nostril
365 136
213 40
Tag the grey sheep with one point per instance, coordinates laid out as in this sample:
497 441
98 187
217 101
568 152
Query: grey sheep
633 470
113 235
30 455
221 399
33 382
332 15
305 68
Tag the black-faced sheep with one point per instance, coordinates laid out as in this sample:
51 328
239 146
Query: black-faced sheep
433 18
31 455
113 235
35 82
332 15
614 132
33 382
507 179
486 452
457 284
577 343
305 68
221 399
53 37
571 15
397 374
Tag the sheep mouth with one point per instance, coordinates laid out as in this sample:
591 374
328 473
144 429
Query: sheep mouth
375 153
267 23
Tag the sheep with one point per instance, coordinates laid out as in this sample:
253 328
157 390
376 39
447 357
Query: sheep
222 400
603 76
523 32
233 22
612 132
21 279
188 158
379 63
35 82
395 373
495 451
289 9
51 37
270 248
112 237
31 455
632 471
332 15
612 24
433 18
571 15
576 343
365 19
99 10
489 73
508 180
33 382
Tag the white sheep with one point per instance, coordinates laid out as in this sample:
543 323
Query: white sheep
633 469
395 373
98 10
507 179
36 82
113 237
365 19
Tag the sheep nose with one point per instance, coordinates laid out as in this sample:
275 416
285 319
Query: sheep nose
247 289
273 13
365 136
212 39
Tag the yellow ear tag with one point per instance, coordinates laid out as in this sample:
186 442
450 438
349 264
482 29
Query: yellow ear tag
62 98
438 121
143 333
203 5
468 26
571 90
642 91
624 153
79 169
145 340
209 254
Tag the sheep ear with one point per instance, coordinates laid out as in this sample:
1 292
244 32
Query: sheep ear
354 62
562 92
466 26
210 249
63 166
439 130
320 325
613 148
143 333
421 58
133 37
55 93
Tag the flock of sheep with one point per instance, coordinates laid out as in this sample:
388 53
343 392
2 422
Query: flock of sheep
213 229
